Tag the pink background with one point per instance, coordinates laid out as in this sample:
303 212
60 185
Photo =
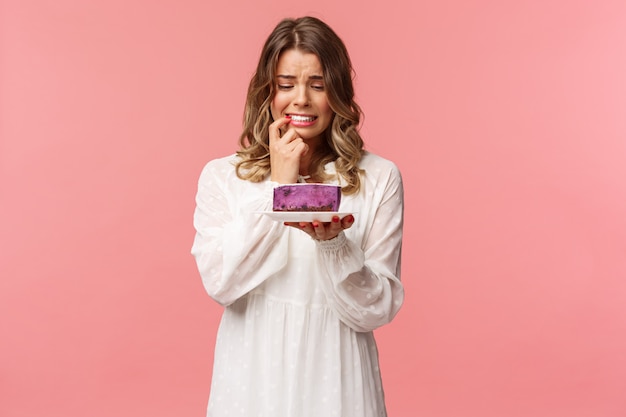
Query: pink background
507 118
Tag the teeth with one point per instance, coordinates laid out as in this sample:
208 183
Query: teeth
296 118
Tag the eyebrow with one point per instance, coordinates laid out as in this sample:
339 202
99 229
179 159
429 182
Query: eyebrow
293 77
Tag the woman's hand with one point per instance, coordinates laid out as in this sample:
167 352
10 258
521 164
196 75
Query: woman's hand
324 230
286 150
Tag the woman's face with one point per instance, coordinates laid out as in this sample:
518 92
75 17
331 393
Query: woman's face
301 94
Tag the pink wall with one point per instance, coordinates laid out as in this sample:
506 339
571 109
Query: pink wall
508 119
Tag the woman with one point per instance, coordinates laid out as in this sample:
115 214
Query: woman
301 298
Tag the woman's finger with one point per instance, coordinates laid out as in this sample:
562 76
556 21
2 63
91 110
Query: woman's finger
347 221
276 128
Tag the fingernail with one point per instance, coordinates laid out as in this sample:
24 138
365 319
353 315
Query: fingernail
315 224
335 219
350 218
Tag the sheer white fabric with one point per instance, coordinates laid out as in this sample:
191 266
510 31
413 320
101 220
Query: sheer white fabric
296 337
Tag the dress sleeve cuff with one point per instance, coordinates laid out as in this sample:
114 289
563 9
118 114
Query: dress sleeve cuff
332 244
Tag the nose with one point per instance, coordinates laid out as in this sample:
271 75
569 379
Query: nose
301 97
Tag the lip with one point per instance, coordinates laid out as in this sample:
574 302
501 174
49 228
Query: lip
301 123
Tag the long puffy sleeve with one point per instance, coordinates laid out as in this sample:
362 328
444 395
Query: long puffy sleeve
235 249
361 267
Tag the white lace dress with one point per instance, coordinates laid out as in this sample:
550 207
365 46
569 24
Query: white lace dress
295 339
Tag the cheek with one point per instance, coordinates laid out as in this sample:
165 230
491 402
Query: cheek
326 110
277 106
324 106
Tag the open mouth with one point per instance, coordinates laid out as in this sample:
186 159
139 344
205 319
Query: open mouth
300 118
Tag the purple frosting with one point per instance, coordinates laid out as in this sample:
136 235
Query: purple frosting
307 197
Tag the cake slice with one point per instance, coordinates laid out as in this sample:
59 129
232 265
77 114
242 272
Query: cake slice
307 197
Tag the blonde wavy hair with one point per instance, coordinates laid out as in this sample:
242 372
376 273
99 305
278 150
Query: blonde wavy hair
343 143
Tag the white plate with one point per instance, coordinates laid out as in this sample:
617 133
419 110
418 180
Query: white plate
303 216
